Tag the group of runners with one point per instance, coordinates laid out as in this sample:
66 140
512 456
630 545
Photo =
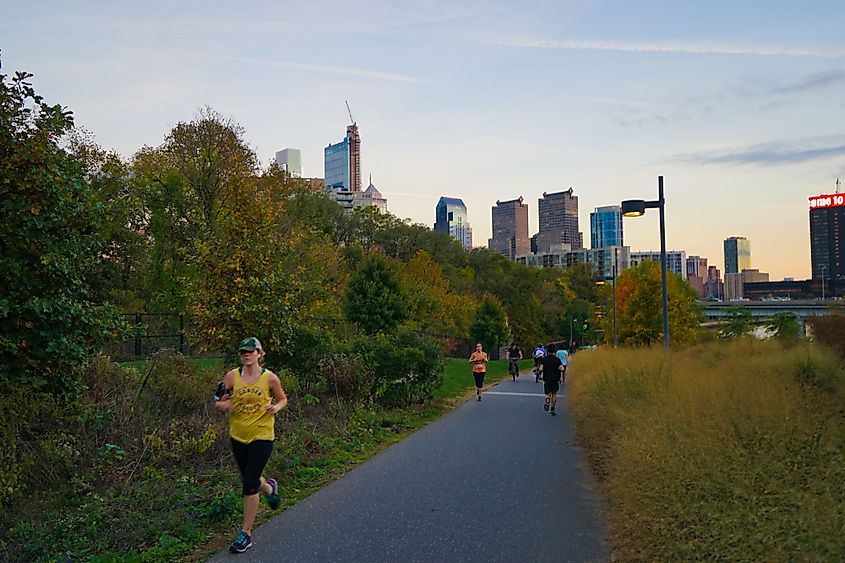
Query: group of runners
549 366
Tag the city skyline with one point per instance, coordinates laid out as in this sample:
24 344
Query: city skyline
736 105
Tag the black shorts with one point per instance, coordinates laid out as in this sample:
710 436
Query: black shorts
551 386
479 378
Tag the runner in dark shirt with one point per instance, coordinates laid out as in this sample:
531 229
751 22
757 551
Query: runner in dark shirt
552 369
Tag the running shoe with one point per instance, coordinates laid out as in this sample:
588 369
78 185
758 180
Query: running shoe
243 541
546 405
553 412
273 496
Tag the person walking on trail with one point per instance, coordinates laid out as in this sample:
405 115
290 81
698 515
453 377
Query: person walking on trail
539 354
248 394
552 371
563 356
479 360
514 355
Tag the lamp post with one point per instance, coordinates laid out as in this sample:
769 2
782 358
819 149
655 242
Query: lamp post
637 207
614 270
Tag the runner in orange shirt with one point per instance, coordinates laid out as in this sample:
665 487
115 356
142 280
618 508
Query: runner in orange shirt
479 360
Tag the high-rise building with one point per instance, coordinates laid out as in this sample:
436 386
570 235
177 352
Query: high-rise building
343 162
827 241
714 288
606 227
737 255
451 218
510 229
697 273
290 160
676 260
558 221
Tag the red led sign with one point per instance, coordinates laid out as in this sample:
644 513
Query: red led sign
828 200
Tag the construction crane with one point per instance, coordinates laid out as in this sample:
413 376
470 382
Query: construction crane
352 119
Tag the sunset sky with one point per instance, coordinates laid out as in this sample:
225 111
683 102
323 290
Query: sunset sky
740 105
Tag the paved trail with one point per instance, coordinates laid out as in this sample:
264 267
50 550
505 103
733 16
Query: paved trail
496 480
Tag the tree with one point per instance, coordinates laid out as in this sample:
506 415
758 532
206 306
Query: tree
490 325
639 307
187 183
784 326
738 322
254 278
375 300
50 238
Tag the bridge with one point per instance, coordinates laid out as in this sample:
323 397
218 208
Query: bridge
768 309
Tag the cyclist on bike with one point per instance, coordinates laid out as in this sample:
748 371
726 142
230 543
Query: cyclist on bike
514 355
539 354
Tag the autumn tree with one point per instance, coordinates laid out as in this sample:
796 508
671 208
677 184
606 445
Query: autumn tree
254 278
639 307
187 183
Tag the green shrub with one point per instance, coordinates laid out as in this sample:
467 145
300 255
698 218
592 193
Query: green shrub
404 365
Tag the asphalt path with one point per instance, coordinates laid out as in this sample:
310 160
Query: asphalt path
496 480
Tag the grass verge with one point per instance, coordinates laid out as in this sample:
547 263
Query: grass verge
727 451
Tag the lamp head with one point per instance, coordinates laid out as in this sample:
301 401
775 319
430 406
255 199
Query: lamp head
633 207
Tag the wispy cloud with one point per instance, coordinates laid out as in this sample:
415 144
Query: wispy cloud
813 82
779 152
669 47
325 69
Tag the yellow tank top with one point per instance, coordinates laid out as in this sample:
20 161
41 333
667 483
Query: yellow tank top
249 419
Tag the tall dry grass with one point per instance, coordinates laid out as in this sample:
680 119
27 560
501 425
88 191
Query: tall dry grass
729 451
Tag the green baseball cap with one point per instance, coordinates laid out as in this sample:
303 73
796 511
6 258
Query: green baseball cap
250 344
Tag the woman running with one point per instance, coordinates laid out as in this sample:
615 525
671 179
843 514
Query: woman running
248 398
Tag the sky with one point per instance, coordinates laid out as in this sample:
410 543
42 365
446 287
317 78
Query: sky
739 105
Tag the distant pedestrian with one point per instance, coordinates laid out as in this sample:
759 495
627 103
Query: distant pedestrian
247 395
479 360
552 370
539 354
563 356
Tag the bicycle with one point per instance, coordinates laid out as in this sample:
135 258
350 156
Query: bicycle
513 369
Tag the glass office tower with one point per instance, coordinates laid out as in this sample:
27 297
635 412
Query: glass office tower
451 217
606 227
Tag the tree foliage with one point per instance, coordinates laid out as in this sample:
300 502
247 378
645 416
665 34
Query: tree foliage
639 307
255 279
784 326
738 322
50 239
490 324
375 299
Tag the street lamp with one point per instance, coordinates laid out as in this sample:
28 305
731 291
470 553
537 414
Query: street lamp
614 271
637 207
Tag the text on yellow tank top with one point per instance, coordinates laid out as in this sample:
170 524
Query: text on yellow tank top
249 419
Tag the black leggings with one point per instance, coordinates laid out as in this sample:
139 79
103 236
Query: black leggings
479 378
251 459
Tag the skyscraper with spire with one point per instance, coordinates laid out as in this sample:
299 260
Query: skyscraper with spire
343 161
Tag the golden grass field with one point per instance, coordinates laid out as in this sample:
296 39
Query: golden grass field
729 451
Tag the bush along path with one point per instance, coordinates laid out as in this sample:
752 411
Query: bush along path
496 480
